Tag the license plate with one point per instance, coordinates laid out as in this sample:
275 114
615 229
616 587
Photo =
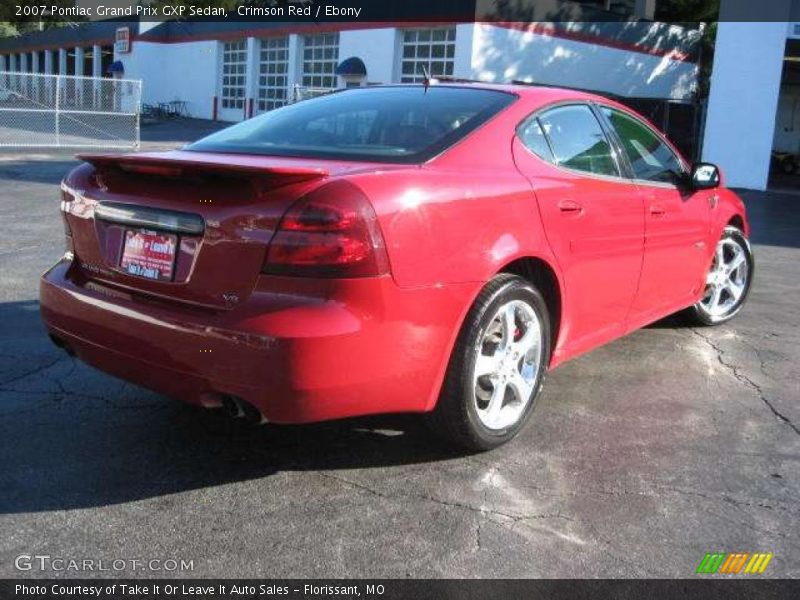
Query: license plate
149 254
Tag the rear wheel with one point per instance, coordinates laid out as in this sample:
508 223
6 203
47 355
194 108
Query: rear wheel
727 282
497 367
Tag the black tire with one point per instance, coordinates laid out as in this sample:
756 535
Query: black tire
456 414
788 165
699 314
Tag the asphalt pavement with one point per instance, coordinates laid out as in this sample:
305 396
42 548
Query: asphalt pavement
641 456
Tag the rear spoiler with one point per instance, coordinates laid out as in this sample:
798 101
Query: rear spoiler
178 164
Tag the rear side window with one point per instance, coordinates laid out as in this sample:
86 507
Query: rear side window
532 135
650 158
577 140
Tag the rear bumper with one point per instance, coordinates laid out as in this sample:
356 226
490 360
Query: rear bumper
298 350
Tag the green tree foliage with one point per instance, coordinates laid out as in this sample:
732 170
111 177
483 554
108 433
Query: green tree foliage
692 12
687 11
229 5
11 24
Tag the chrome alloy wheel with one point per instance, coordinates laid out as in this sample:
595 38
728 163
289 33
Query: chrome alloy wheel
727 279
507 363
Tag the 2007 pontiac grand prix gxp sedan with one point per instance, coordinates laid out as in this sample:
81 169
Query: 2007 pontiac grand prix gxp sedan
391 249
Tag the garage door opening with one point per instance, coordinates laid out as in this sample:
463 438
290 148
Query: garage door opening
785 159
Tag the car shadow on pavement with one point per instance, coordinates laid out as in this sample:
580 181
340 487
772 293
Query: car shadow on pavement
88 460
73 437
676 321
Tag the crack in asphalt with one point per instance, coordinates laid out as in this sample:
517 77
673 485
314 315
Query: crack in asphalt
35 371
479 522
512 519
787 538
763 362
656 492
62 392
57 380
753 503
744 379
481 510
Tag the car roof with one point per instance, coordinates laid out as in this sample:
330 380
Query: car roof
541 94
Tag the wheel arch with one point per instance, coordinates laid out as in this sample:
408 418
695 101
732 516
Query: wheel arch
542 274
730 210
737 221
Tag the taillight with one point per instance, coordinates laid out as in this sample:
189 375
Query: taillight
331 232
66 198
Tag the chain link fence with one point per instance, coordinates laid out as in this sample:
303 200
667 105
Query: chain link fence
68 111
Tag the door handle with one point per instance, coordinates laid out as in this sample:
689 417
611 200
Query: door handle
570 208
657 211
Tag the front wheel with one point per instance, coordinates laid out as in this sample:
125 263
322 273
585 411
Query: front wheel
497 367
728 280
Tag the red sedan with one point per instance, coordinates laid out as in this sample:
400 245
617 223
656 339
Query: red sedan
429 249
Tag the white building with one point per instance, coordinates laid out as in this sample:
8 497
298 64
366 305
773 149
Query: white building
245 71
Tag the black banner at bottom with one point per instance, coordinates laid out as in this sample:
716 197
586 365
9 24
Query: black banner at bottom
391 589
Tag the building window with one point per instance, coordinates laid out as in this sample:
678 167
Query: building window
88 61
107 59
234 73
620 7
320 55
431 49
273 73
70 63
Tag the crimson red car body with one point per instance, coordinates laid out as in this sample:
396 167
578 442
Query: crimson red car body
621 252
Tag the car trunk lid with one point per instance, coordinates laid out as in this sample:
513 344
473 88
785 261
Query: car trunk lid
184 226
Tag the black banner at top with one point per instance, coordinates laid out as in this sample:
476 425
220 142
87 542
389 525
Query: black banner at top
397 11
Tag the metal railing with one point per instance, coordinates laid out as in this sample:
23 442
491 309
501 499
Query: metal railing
300 92
38 110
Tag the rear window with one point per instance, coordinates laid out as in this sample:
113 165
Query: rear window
391 124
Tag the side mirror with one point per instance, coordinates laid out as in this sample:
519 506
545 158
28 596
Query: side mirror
705 176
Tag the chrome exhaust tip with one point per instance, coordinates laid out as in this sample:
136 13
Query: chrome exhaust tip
251 413
237 408
232 407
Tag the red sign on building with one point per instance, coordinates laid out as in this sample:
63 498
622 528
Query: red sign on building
122 41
